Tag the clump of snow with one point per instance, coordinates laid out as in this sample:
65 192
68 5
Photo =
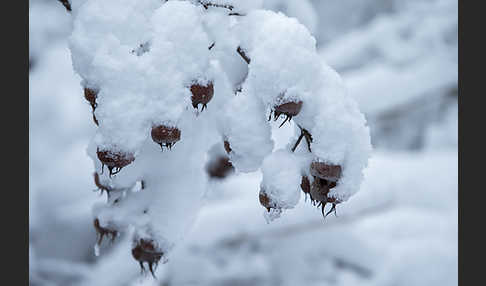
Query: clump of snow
286 74
281 178
247 131
341 137
272 214
303 10
139 88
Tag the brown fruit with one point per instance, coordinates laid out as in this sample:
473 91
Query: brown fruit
102 231
325 171
220 168
266 202
288 109
305 185
145 251
114 160
201 94
165 135
90 95
319 190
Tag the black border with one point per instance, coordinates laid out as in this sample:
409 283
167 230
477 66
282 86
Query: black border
15 134
470 203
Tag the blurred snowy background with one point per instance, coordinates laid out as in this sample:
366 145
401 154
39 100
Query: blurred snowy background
399 61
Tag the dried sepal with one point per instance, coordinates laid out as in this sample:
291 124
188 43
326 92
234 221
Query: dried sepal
95 120
319 194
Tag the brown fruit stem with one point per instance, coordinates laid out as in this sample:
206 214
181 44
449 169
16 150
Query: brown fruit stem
303 134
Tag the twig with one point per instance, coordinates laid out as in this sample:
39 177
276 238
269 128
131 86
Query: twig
206 5
298 141
308 138
240 51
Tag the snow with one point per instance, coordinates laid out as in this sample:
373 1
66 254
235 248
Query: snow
399 229
282 185
247 131
96 250
416 48
302 10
